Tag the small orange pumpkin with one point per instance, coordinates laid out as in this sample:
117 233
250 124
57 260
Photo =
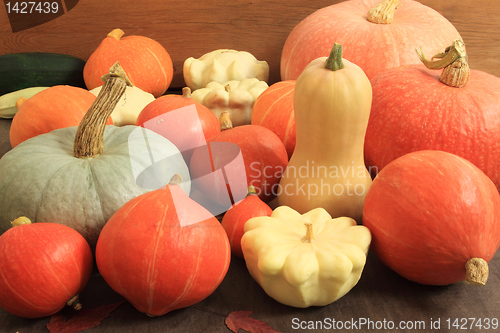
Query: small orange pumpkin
50 109
147 64
273 109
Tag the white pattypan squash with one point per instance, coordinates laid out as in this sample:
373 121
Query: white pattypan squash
305 260
221 66
235 97
129 106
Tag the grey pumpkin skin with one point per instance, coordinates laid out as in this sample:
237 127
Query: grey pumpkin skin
43 180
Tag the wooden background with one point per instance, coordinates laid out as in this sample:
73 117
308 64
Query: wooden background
188 29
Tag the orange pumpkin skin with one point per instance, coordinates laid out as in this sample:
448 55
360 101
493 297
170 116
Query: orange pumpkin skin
235 218
43 266
273 109
412 110
429 212
50 109
264 157
147 63
162 251
183 136
373 47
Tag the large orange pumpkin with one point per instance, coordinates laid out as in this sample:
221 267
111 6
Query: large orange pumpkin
147 63
412 109
273 109
374 47
431 215
50 109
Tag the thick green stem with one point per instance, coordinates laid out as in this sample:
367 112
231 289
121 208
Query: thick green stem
334 61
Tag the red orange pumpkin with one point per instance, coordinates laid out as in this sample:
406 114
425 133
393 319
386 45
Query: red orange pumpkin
147 63
43 267
162 251
273 109
186 130
412 109
235 218
431 215
264 160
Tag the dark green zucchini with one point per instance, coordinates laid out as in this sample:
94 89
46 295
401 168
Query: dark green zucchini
37 69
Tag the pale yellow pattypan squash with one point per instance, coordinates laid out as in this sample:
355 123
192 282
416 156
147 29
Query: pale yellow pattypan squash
221 66
235 97
305 260
129 106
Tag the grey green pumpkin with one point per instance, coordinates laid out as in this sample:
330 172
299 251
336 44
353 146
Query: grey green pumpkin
42 179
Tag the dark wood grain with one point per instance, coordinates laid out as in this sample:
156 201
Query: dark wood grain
193 28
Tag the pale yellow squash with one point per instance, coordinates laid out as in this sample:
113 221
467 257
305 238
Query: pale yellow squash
332 102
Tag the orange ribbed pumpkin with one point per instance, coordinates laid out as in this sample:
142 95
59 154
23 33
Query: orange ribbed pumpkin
273 109
147 63
50 109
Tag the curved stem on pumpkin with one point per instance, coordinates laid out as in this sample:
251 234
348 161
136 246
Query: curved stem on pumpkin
309 237
476 272
90 132
116 34
453 61
383 13
334 60
225 121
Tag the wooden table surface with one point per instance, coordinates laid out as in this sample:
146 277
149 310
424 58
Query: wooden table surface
191 29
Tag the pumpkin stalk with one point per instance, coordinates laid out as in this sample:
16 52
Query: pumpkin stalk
383 13
225 121
20 221
453 61
476 272
186 92
309 237
334 60
90 133
116 34
74 302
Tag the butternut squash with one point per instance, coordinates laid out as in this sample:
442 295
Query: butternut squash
332 102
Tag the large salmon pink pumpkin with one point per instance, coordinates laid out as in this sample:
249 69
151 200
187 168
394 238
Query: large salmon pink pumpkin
43 267
146 62
416 108
376 35
273 109
434 218
162 251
